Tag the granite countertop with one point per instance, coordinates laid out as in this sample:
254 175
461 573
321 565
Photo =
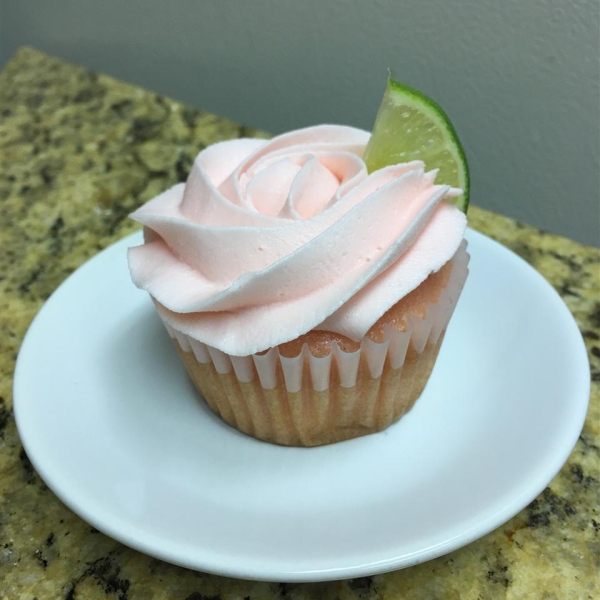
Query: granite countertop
79 151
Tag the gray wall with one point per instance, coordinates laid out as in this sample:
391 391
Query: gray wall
519 78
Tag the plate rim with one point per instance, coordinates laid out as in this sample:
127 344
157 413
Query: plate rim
147 542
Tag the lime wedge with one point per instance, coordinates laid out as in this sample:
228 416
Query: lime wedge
411 126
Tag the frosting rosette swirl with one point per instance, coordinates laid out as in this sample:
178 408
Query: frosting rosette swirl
268 240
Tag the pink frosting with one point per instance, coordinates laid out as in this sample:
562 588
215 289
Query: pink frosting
269 239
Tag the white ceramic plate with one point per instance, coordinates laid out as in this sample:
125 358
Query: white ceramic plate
115 428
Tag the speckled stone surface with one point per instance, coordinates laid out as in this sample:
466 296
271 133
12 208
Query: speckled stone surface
78 152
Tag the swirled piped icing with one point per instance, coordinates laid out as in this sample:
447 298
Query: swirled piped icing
270 239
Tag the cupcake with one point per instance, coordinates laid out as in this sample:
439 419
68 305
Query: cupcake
307 298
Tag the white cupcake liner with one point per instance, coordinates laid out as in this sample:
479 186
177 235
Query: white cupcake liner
419 332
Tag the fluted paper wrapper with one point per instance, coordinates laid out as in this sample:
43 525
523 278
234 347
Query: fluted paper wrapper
310 401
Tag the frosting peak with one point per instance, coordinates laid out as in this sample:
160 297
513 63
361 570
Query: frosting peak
270 239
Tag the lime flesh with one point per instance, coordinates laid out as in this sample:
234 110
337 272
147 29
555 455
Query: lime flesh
410 126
